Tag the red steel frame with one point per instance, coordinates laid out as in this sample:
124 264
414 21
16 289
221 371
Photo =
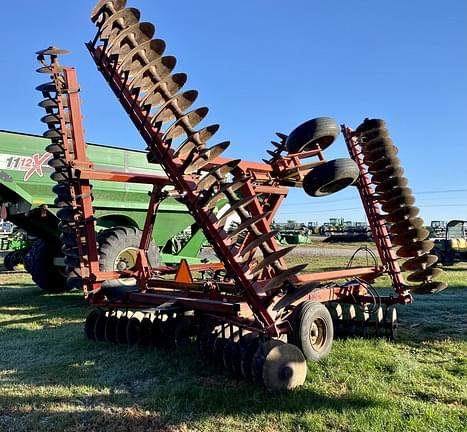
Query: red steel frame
271 180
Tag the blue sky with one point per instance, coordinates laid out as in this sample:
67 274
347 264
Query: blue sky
267 65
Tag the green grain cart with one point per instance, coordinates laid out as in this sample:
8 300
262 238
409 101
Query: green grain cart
27 200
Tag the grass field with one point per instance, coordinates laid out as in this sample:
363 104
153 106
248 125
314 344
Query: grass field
52 378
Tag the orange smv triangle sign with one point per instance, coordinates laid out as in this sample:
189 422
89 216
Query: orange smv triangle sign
183 273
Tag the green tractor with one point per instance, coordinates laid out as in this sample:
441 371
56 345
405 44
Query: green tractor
452 247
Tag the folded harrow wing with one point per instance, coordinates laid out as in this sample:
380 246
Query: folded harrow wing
249 311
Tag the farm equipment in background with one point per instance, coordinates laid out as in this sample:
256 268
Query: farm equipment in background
350 232
340 230
437 229
451 247
291 232
27 200
17 243
334 225
250 311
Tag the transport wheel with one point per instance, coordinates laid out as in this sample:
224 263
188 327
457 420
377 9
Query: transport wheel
91 322
330 177
44 272
313 331
118 249
321 131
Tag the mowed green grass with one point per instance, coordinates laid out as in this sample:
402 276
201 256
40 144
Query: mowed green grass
52 378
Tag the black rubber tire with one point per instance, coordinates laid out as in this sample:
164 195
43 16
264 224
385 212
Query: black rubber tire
330 177
320 131
112 242
39 262
307 314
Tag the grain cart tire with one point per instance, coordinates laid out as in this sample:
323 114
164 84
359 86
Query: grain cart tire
320 131
39 262
313 330
330 177
118 249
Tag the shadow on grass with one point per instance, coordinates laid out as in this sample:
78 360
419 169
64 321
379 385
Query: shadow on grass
106 384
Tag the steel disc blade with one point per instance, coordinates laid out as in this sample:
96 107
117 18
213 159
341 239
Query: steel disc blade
174 107
53 51
158 93
111 329
431 287
391 182
395 192
373 134
406 224
194 140
91 322
410 235
248 223
398 202
132 330
377 143
206 156
248 350
141 55
294 295
278 280
130 38
369 124
242 204
425 274
119 21
268 260
48 87
106 7
374 155
416 248
402 213
55 118
383 175
284 367
99 328
226 191
120 333
185 122
419 263
259 358
152 73
216 174
380 164
57 163
263 238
